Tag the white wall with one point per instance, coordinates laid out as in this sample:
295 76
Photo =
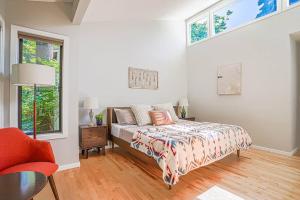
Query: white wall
297 65
2 7
100 54
266 105
2 45
51 18
107 49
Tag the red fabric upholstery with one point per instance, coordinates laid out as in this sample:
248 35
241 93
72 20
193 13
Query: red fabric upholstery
46 168
21 153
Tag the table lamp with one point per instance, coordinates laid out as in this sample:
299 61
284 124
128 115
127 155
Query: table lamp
91 103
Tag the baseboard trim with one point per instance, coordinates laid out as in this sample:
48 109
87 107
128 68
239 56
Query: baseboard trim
285 153
68 166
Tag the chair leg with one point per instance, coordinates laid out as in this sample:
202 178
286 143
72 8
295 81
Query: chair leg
53 187
238 153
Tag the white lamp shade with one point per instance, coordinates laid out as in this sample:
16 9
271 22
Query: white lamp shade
90 103
183 102
32 74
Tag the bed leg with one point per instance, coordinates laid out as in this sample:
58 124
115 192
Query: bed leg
170 187
238 153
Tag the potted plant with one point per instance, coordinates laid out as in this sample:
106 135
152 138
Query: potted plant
99 119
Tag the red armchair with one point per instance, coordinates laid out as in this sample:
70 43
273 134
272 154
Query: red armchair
18 152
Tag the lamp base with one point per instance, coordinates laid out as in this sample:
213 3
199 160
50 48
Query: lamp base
91 125
91 114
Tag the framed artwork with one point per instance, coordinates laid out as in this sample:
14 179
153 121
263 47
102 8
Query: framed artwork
142 79
229 79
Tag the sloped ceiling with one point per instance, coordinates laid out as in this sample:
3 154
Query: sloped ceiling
131 10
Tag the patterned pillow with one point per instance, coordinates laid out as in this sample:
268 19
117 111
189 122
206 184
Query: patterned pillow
141 113
169 107
161 118
125 116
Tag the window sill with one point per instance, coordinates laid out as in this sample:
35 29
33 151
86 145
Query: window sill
50 136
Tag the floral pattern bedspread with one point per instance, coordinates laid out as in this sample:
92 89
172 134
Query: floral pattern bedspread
185 146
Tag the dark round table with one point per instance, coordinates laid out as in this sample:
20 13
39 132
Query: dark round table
21 185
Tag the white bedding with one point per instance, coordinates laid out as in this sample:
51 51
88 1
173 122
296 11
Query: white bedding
124 132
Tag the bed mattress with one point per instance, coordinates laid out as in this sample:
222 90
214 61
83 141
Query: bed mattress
124 132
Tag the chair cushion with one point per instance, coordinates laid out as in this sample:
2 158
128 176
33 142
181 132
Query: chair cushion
45 168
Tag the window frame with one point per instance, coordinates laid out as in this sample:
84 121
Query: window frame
60 84
14 58
281 6
225 3
203 16
288 6
2 57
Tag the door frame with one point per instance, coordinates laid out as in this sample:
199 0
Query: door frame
2 63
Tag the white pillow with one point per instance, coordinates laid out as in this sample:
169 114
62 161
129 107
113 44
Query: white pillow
169 107
141 113
125 116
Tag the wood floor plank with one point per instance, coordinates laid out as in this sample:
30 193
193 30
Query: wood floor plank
255 175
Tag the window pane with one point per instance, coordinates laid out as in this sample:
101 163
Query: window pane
48 98
292 2
241 12
199 30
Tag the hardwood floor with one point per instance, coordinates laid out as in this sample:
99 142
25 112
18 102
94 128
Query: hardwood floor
255 175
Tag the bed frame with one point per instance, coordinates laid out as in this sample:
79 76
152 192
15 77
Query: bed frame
112 118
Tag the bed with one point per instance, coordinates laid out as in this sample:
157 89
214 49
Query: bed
178 148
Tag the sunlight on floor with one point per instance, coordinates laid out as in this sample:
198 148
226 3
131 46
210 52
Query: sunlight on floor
216 193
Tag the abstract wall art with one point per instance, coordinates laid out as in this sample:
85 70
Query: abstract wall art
229 79
142 79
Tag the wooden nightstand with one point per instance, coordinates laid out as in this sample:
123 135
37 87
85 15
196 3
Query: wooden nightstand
189 118
92 137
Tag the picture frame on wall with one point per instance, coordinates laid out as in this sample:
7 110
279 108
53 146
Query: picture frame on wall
229 79
142 79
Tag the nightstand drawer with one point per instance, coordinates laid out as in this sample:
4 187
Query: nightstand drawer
94 142
93 137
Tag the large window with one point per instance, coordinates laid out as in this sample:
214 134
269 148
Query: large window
240 12
199 30
34 49
231 14
292 2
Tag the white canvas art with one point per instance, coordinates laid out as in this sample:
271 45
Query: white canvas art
142 79
229 79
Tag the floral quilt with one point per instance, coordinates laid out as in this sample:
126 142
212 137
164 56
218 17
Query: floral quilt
185 146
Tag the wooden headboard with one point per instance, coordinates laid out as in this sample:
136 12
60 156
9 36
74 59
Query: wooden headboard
112 118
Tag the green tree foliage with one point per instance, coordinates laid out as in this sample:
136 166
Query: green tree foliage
220 22
47 97
266 7
198 31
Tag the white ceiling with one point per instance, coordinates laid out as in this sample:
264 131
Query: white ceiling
139 10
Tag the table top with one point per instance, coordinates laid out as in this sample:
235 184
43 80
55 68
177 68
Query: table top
87 126
21 185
